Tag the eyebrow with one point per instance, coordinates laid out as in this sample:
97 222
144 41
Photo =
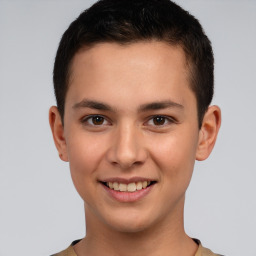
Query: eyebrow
93 105
160 105
85 103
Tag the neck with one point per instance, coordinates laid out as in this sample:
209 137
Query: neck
166 237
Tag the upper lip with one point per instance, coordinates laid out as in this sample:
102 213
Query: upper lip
127 181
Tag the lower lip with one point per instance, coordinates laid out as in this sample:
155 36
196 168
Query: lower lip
128 196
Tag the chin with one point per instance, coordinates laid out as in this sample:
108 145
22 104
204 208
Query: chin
127 227
129 223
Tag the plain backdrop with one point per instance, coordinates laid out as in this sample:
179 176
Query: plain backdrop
40 211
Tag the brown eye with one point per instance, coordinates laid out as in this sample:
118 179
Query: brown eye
97 120
159 120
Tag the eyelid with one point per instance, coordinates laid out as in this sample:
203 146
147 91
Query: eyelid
171 120
85 119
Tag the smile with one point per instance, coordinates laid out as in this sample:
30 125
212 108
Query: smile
130 187
128 190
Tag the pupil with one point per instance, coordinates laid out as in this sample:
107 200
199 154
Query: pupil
159 120
97 120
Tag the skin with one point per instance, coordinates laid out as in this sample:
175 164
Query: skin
129 142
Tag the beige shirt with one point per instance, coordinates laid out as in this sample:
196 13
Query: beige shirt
200 252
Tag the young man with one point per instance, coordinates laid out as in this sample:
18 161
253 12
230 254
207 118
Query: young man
133 82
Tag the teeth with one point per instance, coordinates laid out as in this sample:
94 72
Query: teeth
139 186
131 187
122 187
116 186
144 184
110 184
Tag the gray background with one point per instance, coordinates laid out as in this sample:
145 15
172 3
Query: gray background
40 211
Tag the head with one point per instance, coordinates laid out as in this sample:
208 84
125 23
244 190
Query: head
125 22
133 81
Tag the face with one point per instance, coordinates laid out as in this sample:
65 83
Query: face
131 133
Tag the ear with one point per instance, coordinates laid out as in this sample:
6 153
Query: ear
58 133
208 132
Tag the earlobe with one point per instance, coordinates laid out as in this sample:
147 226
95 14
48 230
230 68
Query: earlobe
208 132
58 132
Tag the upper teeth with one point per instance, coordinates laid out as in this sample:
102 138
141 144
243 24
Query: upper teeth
131 187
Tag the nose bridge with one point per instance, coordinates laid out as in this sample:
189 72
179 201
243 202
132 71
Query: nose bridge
127 148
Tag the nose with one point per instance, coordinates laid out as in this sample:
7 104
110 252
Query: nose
127 148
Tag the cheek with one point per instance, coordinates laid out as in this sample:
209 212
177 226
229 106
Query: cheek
82 155
85 154
175 154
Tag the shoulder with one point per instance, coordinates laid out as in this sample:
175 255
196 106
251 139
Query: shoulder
207 252
69 251
202 251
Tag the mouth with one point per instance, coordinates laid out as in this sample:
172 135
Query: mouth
128 187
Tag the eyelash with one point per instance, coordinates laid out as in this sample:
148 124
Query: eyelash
86 120
167 120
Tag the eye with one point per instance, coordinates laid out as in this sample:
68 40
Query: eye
95 120
160 121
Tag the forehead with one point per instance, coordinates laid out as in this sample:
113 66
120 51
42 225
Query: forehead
136 71
153 54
